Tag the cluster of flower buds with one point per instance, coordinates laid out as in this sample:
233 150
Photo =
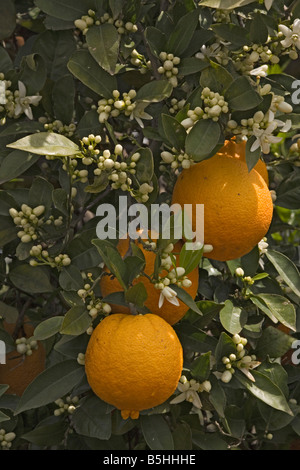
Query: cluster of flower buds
29 220
58 127
140 61
189 391
176 105
169 67
239 360
86 21
177 160
94 305
26 345
68 405
6 439
116 105
41 257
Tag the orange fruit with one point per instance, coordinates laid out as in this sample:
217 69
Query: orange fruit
133 362
20 369
238 150
169 312
238 207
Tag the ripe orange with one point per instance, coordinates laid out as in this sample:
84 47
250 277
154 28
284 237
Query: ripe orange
171 313
238 150
20 370
133 362
238 206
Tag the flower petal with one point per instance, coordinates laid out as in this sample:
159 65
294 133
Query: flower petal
285 30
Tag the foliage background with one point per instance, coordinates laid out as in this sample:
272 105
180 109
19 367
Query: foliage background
70 72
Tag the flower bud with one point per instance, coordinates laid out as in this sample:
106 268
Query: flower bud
226 376
39 210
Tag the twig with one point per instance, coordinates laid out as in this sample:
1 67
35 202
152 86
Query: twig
20 320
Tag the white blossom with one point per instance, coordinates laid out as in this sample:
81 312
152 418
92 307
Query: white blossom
23 102
170 295
292 35
261 71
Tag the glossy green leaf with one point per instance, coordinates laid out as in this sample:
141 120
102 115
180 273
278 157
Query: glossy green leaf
202 139
65 9
156 432
76 321
93 419
174 131
31 279
155 91
273 343
241 95
85 68
15 164
46 143
200 367
145 166
47 433
70 278
286 269
137 294
232 317
103 43
265 390
182 34
7 18
63 95
48 328
51 384
278 307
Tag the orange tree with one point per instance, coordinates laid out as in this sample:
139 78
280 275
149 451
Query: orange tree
108 98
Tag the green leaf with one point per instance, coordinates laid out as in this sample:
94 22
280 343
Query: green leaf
216 77
33 73
252 157
85 68
190 65
8 312
40 193
156 39
155 91
76 321
224 347
15 164
31 279
182 437
63 95
202 139
258 29
265 390
273 343
225 4
55 47
113 260
60 200
241 95
65 9
99 184
288 191
236 35
217 396
174 131
88 123
103 43
181 37
3 416
286 269
5 60
51 384
46 143
200 367
93 418
186 298
189 259
70 278
7 231
156 432
145 166
137 294
7 18
47 433
278 307
232 318
48 328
